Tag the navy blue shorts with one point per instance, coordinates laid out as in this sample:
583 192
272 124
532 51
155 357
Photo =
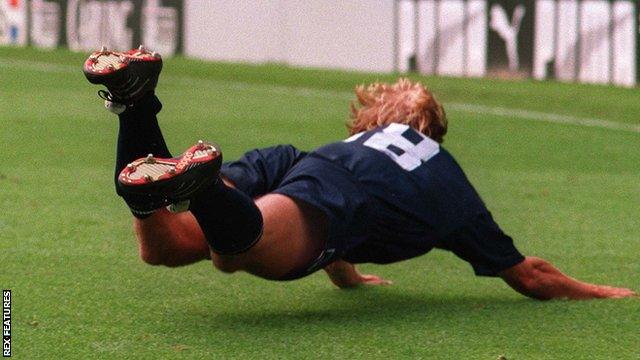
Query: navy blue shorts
331 189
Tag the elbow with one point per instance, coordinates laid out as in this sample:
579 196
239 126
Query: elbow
532 278
529 279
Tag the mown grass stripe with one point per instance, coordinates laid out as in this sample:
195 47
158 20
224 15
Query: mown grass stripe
344 95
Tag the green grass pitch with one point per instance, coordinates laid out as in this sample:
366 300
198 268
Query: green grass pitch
568 193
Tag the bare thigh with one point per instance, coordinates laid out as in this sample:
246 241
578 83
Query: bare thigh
294 235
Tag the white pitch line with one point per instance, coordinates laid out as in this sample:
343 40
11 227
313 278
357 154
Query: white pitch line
261 88
542 116
39 66
343 95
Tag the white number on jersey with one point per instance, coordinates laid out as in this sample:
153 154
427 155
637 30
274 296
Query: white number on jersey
409 149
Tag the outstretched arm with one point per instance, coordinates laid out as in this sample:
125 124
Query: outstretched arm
344 275
537 278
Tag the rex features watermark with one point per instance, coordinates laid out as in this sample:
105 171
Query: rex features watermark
6 323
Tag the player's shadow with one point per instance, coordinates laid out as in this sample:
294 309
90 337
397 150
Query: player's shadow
368 306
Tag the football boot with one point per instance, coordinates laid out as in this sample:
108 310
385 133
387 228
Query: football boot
175 179
128 76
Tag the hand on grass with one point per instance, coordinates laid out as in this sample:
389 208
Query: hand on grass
344 275
610 292
374 280
539 279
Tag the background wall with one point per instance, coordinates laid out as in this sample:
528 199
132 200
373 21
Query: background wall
84 25
355 34
591 41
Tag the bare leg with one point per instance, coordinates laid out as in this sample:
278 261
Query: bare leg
170 239
293 236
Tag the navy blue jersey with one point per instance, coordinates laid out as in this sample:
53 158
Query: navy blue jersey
389 194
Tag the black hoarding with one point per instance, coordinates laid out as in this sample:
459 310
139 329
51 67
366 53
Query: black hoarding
83 25
510 37
570 40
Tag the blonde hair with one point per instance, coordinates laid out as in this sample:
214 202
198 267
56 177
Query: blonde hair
404 102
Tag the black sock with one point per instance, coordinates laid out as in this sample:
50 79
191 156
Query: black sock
230 220
139 135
